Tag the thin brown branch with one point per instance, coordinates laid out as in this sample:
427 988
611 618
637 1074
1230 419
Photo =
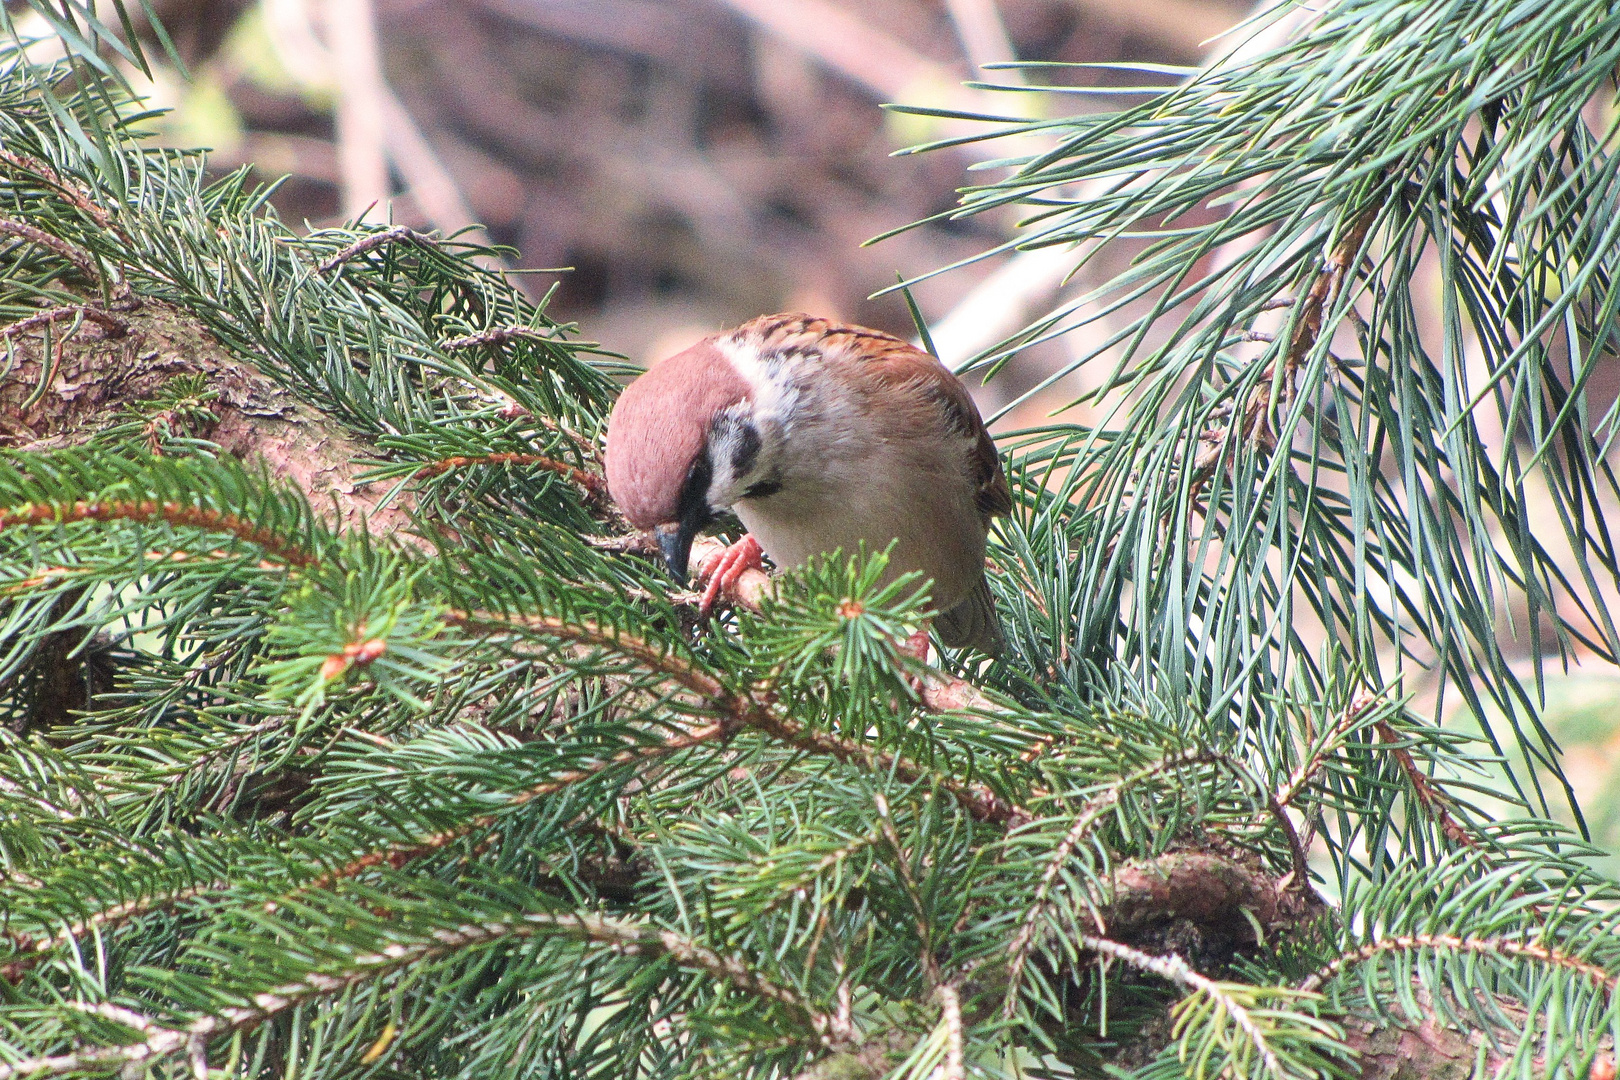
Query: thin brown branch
72 253
741 710
1174 969
1430 797
110 323
34 949
498 335
1329 743
594 484
1608 980
25 163
373 241
161 1042
1300 874
151 510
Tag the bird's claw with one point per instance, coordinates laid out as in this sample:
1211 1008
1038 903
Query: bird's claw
724 571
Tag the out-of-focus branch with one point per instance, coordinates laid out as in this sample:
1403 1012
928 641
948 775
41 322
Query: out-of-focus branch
984 35
1185 26
374 127
427 179
841 40
1003 302
351 35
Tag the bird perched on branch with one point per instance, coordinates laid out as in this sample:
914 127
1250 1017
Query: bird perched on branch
820 437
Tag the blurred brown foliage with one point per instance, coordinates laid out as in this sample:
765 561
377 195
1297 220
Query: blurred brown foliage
695 162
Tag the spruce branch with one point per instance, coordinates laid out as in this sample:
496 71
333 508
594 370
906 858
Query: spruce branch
1094 808
739 709
160 1042
176 514
372 241
112 324
35 948
593 484
1605 979
70 191
1227 1002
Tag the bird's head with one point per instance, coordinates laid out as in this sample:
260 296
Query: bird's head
682 445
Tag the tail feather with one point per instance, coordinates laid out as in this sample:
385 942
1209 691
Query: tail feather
973 622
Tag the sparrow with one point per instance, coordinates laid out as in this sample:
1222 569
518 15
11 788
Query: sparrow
820 437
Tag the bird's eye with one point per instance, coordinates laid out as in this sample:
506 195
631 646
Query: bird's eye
694 501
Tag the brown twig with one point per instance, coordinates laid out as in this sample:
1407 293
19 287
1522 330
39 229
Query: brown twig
1428 795
1330 741
741 710
399 855
1609 980
373 241
595 484
35 235
26 163
110 323
150 510
498 335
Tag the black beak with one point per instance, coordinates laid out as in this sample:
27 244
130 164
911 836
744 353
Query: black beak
675 540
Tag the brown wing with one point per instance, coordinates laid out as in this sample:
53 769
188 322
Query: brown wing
892 364
956 406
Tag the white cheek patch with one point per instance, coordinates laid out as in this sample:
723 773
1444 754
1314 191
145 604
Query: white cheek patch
774 395
725 444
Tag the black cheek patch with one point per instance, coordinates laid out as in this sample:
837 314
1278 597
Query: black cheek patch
762 489
747 450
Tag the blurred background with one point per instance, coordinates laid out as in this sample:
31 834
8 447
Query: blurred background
698 162
694 162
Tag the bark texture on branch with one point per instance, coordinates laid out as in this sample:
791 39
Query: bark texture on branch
96 378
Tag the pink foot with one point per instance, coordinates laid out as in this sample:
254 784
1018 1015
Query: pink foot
724 572
916 645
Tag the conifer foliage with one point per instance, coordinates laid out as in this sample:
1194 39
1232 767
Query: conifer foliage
347 733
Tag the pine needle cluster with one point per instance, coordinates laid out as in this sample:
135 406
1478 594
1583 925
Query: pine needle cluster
435 774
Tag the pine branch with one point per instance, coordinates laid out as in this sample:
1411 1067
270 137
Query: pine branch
162 1042
1502 947
742 710
593 484
172 513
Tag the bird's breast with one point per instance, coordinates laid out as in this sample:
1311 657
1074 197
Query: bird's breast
875 498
